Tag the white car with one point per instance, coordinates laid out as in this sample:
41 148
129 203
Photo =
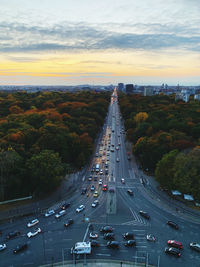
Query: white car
117 159
37 231
60 214
33 222
101 171
80 208
93 235
49 213
151 237
100 182
117 148
95 203
122 181
2 247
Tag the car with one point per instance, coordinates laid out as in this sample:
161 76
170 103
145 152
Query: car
90 178
83 191
93 235
101 172
2 247
13 234
175 244
80 208
112 149
173 251
33 222
195 246
97 155
100 182
49 213
34 233
69 222
150 237
117 160
144 214
65 206
95 203
92 188
20 248
112 244
109 236
128 235
111 190
123 181
117 148
173 225
60 214
108 153
96 194
95 178
130 192
130 243
106 229
105 187
94 243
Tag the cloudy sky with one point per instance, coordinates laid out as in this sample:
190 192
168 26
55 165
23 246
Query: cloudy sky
68 42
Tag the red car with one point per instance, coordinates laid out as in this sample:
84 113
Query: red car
175 244
104 188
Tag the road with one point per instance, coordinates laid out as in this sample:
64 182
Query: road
117 208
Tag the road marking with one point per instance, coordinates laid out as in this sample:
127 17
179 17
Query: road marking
99 254
86 232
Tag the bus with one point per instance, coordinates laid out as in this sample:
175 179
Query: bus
97 167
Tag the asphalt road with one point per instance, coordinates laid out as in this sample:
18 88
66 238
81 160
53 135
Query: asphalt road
118 209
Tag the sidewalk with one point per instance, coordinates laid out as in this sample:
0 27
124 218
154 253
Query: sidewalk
98 263
152 188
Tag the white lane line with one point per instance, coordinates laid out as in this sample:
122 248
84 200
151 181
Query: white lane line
86 232
99 254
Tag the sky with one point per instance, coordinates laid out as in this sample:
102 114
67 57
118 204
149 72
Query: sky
70 42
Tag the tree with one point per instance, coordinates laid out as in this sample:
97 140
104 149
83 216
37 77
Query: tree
141 117
164 172
45 171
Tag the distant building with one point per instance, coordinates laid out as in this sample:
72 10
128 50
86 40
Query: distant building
129 88
148 91
197 97
182 96
120 87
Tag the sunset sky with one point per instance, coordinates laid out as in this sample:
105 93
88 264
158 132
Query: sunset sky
69 42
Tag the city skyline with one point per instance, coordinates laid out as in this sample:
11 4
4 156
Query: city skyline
90 42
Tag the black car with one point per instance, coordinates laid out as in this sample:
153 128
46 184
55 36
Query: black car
173 225
130 192
144 214
94 243
13 234
106 229
128 235
69 222
112 244
173 251
20 248
130 243
65 206
83 191
109 236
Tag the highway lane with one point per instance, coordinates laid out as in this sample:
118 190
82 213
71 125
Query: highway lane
55 241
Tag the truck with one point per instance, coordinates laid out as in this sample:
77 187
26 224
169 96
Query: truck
82 248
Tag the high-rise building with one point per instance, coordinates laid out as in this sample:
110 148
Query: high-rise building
129 88
120 87
148 91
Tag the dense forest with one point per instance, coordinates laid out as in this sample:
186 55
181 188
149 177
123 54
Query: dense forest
166 138
45 135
